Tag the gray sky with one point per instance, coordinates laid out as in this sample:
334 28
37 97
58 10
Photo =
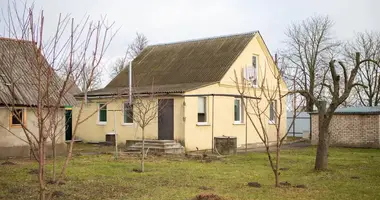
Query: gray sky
174 20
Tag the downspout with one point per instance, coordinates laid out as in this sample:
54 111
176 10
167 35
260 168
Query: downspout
212 125
246 127
130 82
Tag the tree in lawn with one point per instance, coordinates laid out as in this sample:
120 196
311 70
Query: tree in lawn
265 104
133 50
309 47
339 89
368 45
38 84
143 111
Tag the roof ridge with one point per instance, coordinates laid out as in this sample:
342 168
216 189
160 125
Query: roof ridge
206 38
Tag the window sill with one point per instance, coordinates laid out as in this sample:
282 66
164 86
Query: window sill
271 122
127 124
101 123
238 123
203 124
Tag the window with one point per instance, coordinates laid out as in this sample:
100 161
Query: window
17 117
272 112
128 113
238 111
251 72
102 113
202 109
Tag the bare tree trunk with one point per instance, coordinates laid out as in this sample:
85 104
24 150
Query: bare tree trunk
277 159
53 146
41 174
321 160
143 150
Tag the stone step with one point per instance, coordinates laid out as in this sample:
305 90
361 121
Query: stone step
164 146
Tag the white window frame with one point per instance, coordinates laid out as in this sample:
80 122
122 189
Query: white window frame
241 113
102 122
205 110
123 122
274 108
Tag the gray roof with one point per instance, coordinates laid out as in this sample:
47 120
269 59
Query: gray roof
183 64
359 110
363 110
18 63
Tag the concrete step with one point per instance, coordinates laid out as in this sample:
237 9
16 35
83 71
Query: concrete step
164 146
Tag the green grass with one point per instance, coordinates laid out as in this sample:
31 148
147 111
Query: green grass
102 177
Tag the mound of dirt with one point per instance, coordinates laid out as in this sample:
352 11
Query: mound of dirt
300 186
205 188
254 184
208 197
286 184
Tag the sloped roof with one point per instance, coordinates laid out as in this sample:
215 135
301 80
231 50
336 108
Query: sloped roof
18 61
362 110
196 62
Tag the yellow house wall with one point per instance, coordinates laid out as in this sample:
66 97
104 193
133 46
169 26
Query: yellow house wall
91 131
8 139
200 136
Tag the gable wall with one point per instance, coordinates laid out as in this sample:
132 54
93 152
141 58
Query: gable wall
200 136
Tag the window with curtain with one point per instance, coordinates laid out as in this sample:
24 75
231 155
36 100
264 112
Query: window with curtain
128 113
238 111
272 111
102 112
202 109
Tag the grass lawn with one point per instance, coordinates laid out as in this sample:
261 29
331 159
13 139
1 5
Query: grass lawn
102 177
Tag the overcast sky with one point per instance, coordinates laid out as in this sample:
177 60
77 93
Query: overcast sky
165 21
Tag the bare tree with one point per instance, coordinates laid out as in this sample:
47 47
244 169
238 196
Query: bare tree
309 47
133 50
267 104
37 84
368 45
339 89
143 111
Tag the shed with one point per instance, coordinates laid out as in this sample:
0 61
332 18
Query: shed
352 127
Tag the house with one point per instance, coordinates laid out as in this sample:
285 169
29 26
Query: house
195 81
18 96
351 127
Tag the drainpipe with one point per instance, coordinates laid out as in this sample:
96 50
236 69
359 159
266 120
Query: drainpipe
212 125
130 81
246 126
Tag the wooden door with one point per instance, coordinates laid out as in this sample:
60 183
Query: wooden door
166 119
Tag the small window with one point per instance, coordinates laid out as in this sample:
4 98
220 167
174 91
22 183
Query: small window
17 117
102 112
272 111
238 111
202 109
128 113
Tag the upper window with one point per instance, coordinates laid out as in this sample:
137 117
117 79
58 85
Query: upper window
272 111
202 109
251 72
17 116
238 111
128 113
102 112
